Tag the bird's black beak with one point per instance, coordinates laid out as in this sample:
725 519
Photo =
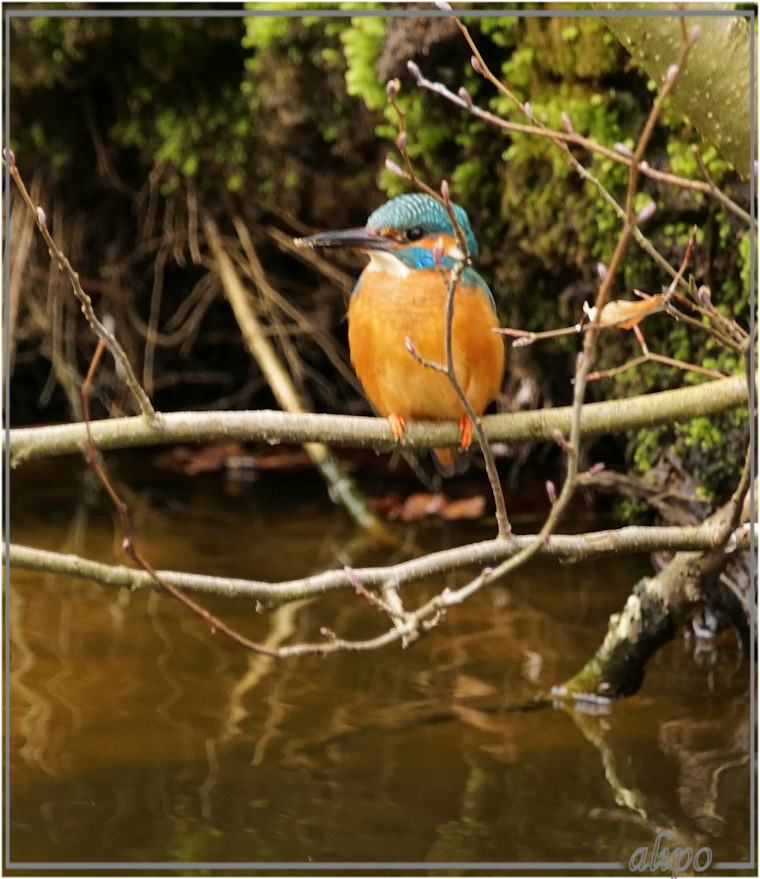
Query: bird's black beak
357 239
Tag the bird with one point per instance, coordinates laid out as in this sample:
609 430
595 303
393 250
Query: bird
397 318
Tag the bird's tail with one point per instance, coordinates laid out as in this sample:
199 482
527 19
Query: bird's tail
452 462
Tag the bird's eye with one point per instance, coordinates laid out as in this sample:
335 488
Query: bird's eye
415 233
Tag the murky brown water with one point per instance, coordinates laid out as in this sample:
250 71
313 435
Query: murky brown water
137 735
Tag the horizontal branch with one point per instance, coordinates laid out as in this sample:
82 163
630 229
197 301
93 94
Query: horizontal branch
610 416
569 547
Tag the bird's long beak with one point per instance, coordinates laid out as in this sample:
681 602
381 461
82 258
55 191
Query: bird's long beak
357 239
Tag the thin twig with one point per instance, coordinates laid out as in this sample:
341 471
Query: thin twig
102 333
452 281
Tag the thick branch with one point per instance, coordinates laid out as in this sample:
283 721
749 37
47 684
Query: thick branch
714 89
611 416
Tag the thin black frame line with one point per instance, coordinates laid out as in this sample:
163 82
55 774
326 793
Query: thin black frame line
206 12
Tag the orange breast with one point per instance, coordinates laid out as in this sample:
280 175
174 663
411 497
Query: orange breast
386 309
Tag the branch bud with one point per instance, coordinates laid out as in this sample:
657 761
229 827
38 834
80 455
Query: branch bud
696 33
466 97
601 270
551 492
392 88
646 213
567 123
394 168
41 218
476 65
437 250
671 73
528 111
409 345
559 439
401 142
445 191
623 149
414 70
703 295
444 5
596 468
9 156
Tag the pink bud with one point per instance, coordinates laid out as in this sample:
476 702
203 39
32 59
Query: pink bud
703 294
696 33
401 142
601 270
409 345
392 88
9 156
414 70
466 97
646 213
445 190
671 73
438 250
596 468
623 149
394 168
442 4
528 111
567 123
551 491
41 218
476 65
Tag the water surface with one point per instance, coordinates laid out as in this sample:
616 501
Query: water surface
138 735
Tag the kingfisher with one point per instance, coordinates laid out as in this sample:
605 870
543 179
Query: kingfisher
397 318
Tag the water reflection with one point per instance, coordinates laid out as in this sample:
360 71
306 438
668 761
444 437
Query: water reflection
138 735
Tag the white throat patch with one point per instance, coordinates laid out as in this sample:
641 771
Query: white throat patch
382 261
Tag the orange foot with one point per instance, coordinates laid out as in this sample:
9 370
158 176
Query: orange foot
465 432
397 425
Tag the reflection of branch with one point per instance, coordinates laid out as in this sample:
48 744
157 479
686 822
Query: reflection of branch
681 404
103 334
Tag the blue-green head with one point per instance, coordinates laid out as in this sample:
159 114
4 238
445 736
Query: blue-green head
409 233
420 218
408 227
